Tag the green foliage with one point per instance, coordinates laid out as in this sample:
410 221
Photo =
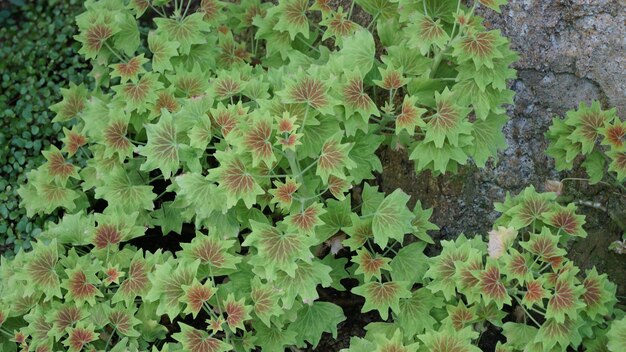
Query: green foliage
37 58
217 208
596 140
597 135
518 280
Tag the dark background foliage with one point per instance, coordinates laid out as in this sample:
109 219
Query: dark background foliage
38 57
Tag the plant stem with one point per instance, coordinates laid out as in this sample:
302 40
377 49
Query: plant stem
6 332
306 114
307 44
351 8
436 62
161 195
160 176
162 14
189 3
106 347
525 311
307 168
390 248
373 20
584 180
113 51
458 7
296 172
302 200
369 246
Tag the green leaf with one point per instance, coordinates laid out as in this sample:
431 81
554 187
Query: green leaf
57 166
492 287
41 271
410 264
355 98
73 103
443 269
304 283
169 218
265 298
392 219
199 341
336 217
162 148
566 302
334 158
168 282
517 335
338 272
588 122
415 314
237 312
618 164
359 51
480 47
488 138
277 250
213 251
126 191
599 295
305 220
498 76
314 320
235 179
129 70
127 37
370 265
42 195
140 95
189 31
552 333
410 116
421 223
371 199
424 32
396 342
449 121
363 154
162 51
94 30
274 338
595 165
493 4
293 17
617 336
448 336
382 296
379 8
200 194
530 208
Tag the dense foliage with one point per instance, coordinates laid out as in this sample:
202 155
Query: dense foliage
227 196
37 58
596 139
